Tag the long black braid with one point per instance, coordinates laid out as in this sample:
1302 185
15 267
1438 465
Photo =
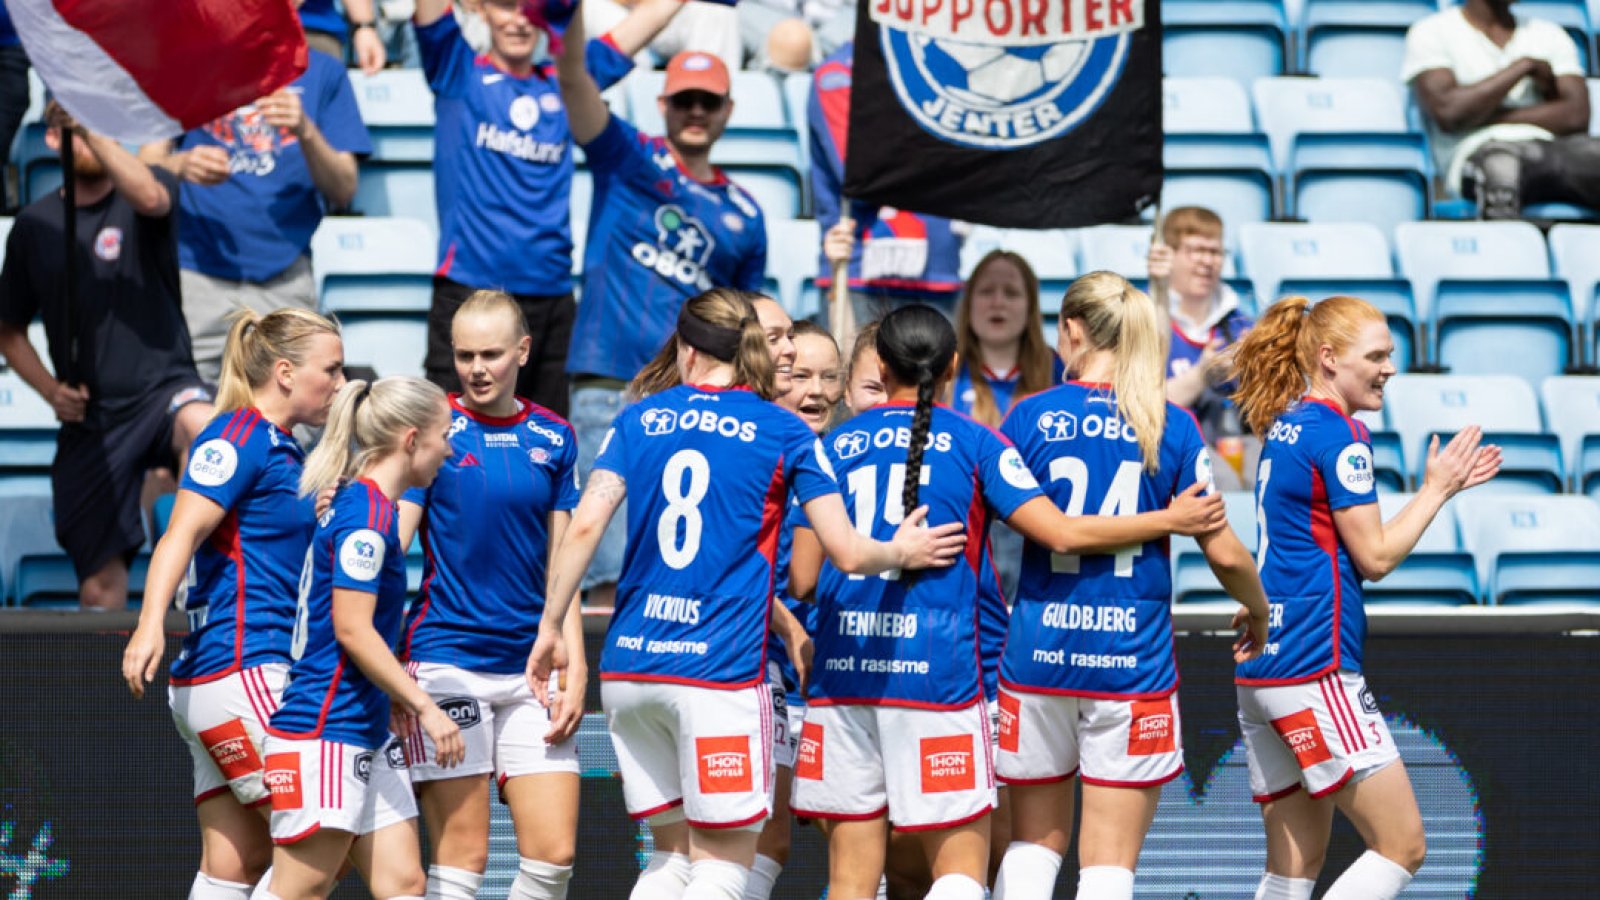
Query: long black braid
917 344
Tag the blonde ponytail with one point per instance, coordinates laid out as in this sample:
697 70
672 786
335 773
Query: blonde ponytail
365 424
255 344
1119 317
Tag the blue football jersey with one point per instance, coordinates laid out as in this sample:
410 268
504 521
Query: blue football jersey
246 575
1097 625
920 641
503 182
356 547
709 474
1315 460
485 538
657 237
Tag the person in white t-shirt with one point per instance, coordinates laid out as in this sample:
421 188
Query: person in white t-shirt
1507 107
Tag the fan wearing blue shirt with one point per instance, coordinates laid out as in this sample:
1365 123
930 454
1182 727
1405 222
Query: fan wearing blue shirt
503 167
665 225
260 179
1313 730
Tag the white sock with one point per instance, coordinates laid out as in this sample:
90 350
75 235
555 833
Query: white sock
955 887
1280 887
664 878
207 888
449 883
539 880
716 879
1372 877
1105 883
1027 872
883 887
763 877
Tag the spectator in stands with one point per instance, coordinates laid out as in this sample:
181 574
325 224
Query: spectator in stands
261 178
326 31
1206 321
708 27
896 256
14 92
793 35
1506 106
665 225
503 178
127 395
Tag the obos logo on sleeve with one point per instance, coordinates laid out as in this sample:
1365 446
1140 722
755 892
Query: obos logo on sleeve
361 554
1202 471
213 463
1004 74
1015 471
1355 468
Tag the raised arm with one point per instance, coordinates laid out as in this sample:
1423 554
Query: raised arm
587 114
642 24
430 11
1376 547
131 177
333 171
193 519
1191 513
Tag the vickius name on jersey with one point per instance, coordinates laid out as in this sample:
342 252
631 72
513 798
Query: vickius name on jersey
660 421
683 610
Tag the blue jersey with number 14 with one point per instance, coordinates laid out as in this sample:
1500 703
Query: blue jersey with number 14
1314 462
709 473
1098 625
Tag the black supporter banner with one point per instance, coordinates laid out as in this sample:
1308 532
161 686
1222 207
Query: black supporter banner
1012 113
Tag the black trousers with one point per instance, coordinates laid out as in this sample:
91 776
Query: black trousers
1504 176
549 322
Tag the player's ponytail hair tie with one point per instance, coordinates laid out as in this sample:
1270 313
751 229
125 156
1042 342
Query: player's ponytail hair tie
716 340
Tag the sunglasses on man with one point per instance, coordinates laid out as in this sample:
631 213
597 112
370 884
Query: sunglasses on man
684 101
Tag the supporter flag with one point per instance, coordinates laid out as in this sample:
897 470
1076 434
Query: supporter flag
1013 113
144 70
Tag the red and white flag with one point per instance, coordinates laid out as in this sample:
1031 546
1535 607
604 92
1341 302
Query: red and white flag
145 70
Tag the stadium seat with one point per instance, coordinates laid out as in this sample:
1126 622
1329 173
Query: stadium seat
1572 15
1503 406
1388 460
1053 254
1343 149
1572 409
1239 39
390 344
1192 578
40 177
778 189
397 107
797 97
582 206
1212 149
402 190
792 265
1533 549
27 527
27 438
1124 249
374 264
1436 571
1575 256
1347 38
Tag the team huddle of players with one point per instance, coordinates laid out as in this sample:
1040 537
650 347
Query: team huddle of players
807 618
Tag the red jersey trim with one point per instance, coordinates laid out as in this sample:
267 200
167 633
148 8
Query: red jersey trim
691 682
655 810
895 702
954 823
516 418
748 820
1032 782
1100 782
1336 786
1285 682
1276 795
297 838
840 816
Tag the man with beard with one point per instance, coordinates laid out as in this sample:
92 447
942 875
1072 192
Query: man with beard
128 398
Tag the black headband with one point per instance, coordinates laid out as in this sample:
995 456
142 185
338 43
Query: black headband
716 340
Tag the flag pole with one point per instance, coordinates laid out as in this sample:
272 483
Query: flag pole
69 231
1158 286
841 313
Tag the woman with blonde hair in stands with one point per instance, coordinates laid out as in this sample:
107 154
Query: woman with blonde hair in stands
336 774
1308 717
240 527
488 524
1107 441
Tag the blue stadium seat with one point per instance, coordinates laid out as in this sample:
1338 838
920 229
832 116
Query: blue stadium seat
797 97
1433 251
1343 149
1572 15
1436 571
40 177
401 190
1239 39
582 207
393 344
1213 148
1503 406
779 189
1346 38
33 116
1572 409
792 246
1533 549
1388 460
1586 471
48 581
1575 256
1124 249
1192 578
374 264
1053 254
27 526
27 437
397 107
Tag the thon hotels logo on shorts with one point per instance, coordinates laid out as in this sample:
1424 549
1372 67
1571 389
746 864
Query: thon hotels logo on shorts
1303 735
283 780
1010 723
230 748
1004 74
361 554
683 248
213 463
808 761
947 764
1153 730
724 764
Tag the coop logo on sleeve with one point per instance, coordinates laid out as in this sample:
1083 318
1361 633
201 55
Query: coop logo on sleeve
947 764
213 463
1355 468
724 764
1002 74
361 554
